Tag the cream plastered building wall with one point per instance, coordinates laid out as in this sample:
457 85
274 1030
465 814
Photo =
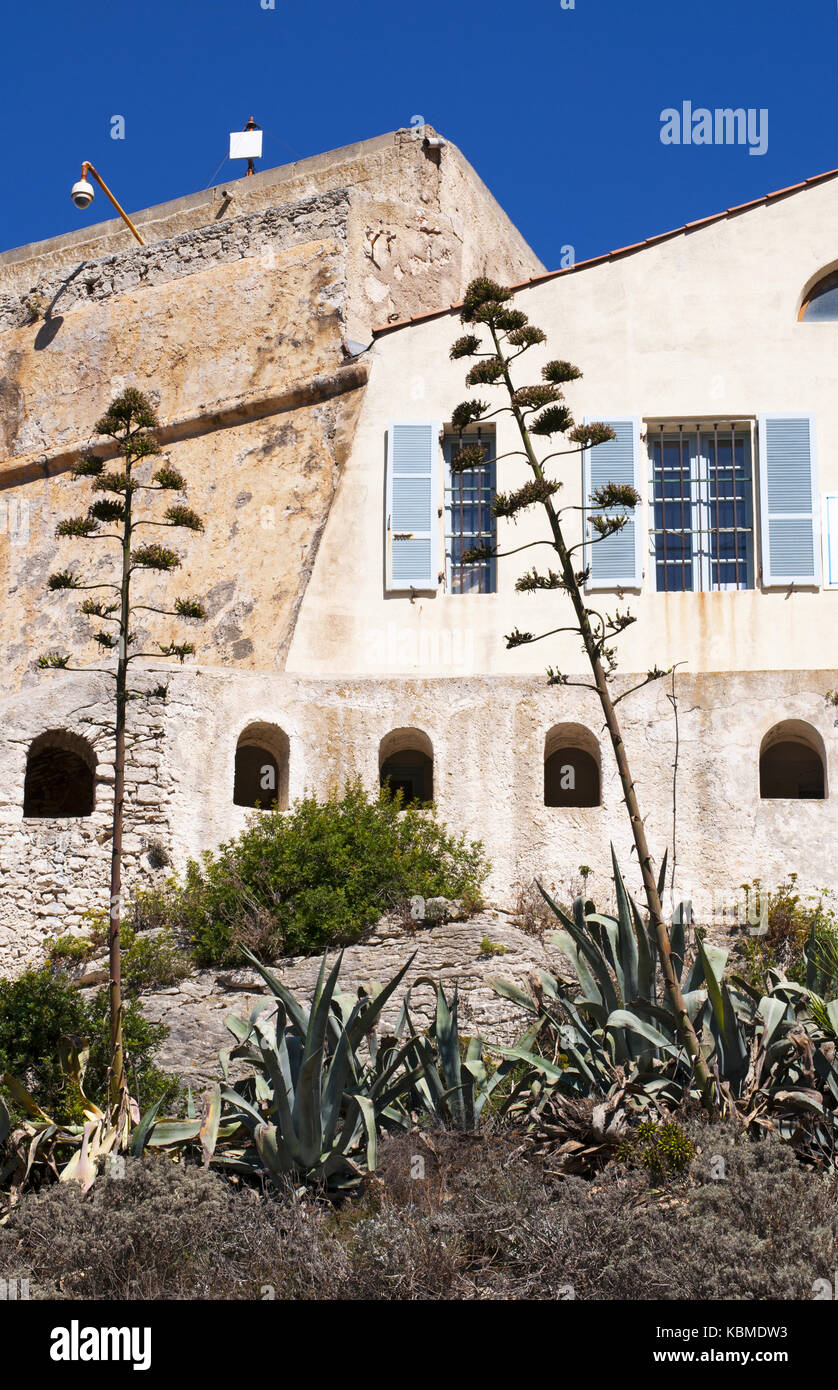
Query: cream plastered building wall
702 326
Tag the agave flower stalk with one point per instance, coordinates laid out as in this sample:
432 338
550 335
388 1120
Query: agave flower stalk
539 413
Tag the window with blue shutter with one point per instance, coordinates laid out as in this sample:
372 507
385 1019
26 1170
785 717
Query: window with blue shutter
788 500
615 560
411 520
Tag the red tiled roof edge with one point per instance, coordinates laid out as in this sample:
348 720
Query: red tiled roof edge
622 250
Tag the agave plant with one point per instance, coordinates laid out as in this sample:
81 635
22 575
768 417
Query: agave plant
610 1021
772 1052
451 1087
316 1100
40 1148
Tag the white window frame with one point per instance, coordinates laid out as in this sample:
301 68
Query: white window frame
450 503
701 525
829 539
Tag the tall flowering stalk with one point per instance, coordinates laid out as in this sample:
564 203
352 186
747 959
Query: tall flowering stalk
541 416
131 424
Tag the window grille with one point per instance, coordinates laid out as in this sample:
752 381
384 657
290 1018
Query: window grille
702 501
469 519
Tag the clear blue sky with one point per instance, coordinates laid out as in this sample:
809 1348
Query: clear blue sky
558 109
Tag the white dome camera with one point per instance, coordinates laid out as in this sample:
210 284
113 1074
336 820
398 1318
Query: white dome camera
82 193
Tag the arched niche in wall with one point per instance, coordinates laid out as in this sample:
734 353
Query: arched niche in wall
261 776
60 776
571 767
406 764
792 763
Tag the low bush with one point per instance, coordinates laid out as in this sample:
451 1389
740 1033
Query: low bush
70 949
297 882
789 917
39 1008
152 957
152 962
660 1147
471 1220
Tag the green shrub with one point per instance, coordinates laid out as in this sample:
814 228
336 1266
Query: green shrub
149 961
491 948
297 882
39 1008
153 962
660 1147
789 918
70 948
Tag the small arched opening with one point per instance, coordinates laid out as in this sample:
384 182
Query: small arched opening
571 767
792 762
406 764
60 777
261 776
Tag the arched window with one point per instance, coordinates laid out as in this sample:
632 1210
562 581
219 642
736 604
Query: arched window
262 768
791 763
60 776
406 764
571 767
821 302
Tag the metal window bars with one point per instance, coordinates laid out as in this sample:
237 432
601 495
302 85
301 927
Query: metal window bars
469 519
702 529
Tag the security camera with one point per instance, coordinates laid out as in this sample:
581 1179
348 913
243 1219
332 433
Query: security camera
82 193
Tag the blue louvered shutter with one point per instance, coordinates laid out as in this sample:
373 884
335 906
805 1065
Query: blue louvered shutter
788 500
614 562
411 520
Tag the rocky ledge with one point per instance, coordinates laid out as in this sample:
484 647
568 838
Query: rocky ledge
454 952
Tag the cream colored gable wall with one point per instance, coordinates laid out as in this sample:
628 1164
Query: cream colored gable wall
703 325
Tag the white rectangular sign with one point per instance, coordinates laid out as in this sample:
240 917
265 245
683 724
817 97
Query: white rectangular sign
245 144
